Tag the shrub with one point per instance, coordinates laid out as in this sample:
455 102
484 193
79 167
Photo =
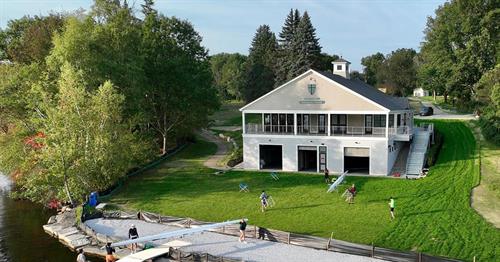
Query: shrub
490 128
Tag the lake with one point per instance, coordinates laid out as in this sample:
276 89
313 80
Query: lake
21 235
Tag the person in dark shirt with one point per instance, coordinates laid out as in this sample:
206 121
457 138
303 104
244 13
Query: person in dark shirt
132 234
352 194
109 253
243 226
327 176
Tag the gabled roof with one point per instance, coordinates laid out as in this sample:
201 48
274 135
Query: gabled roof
355 86
369 92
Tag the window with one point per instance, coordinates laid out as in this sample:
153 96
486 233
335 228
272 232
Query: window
267 122
289 123
322 124
379 121
274 119
339 120
391 120
339 67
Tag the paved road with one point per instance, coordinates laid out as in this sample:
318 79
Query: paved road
443 114
224 245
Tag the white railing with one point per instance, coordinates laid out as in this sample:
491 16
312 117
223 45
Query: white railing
400 130
357 131
269 129
312 130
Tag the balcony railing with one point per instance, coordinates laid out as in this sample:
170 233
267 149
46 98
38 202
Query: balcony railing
323 131
357 131
269 129
312 130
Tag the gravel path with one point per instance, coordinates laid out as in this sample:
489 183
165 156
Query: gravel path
222 150
224 245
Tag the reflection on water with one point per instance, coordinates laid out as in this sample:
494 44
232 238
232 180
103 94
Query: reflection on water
21 235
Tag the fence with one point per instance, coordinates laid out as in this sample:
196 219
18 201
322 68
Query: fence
280 237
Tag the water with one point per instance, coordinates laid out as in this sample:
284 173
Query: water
21 235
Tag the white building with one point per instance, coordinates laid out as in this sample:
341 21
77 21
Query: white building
419 92
320 120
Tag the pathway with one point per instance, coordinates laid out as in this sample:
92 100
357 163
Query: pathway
225 245
440 113
223 148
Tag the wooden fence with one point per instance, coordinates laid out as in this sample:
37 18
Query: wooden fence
257 232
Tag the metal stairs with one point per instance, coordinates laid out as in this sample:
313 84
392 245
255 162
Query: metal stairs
418 150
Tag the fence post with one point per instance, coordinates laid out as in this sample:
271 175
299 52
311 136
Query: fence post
419 257
329 241
288 240
373 250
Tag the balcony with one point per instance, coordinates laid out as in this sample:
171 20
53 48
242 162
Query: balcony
269 129
357 131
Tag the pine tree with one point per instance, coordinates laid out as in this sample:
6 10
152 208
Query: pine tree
287 53
260 65
307 48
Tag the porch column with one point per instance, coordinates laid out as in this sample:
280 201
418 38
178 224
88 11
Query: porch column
387 125
243 122
395 123
295 123
328 123
262 122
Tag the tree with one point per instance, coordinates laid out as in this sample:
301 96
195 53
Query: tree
80 141
371 68
228 72
307 45
461 44
325 62
260 75
29 39
398 72
287 51
355 75
488 104
178 77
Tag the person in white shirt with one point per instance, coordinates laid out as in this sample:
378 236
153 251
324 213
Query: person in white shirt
81 256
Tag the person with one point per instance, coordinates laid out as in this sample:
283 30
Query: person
352 193
243 226
327 176
81 256
263 201
391 206
109 253
132 234
262 163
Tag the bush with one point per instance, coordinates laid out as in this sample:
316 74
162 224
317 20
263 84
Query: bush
490 128
79 212
433 153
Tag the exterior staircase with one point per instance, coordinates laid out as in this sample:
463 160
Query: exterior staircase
418 149
399 166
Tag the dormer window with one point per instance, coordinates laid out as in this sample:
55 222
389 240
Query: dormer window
339 67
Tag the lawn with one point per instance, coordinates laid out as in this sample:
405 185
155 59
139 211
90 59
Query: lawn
433 214
229 115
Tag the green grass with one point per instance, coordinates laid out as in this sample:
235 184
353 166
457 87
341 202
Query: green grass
433 214
229 115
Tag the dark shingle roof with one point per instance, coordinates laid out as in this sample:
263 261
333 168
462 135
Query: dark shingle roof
370 92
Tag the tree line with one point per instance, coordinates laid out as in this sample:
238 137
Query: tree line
458 60
89 96
271 61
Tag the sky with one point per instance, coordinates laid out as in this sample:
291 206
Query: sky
351 28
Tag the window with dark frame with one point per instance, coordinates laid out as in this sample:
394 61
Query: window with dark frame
339 67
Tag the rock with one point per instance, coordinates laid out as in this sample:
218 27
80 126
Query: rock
52 220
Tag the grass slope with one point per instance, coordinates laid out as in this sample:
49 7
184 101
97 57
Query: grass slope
433 214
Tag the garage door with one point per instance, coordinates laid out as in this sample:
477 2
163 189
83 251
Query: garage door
357 151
